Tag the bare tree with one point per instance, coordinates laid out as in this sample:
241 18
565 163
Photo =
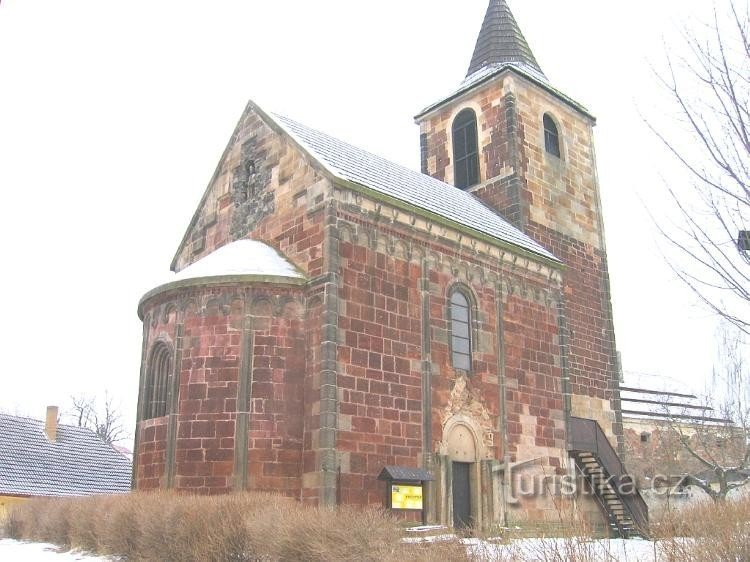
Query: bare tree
718 441
709 88
105 422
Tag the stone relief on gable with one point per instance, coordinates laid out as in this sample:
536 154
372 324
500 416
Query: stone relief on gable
252 199
466 402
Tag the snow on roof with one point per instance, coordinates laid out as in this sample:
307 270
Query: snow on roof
242 257
77 463
358 166
488 72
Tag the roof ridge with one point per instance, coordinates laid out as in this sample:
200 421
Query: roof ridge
334 169
42 422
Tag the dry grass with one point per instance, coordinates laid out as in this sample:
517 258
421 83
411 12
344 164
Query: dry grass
707 531
169 527
262 527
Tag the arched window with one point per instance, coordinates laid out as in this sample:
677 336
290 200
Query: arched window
460 315
157 381
465 150
551 136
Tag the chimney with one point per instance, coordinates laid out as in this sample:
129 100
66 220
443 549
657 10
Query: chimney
50 426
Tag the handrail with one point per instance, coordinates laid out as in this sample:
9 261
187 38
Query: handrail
587 436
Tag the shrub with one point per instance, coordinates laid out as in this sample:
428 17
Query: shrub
707 531
166 526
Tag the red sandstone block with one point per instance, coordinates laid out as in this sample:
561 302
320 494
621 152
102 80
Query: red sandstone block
148 434
374 374
363 424
358 463
290 455
202 429
259 455
190 406
186 469
390 414
359 357
222 468
379 387
196 391
391 440
346 382
219 454
215 484
374 361
281 469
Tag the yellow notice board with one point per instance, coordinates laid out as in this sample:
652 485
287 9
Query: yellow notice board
406 497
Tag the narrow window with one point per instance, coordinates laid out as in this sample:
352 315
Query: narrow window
157 381
465 150
460 331
551 136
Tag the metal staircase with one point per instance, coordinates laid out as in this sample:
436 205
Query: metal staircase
613 488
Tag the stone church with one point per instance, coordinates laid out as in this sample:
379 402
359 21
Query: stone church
333 314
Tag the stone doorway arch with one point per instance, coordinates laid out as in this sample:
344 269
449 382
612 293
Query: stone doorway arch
462 453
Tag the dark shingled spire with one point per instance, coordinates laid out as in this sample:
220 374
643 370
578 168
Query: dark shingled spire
501 41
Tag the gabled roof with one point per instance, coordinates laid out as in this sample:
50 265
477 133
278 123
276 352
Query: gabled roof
78 463
500 41
417 190
380 178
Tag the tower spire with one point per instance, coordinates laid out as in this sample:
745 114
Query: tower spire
500 41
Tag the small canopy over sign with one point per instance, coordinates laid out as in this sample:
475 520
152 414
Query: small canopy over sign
405 474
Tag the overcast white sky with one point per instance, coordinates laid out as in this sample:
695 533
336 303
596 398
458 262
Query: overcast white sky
113 116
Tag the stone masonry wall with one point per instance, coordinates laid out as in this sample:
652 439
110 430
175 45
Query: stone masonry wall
276 421
379 355
394 337
238 405
565 216
556 202
209 373
266 189
149 456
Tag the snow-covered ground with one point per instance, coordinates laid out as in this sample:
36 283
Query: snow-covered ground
614 550
610 550
18 551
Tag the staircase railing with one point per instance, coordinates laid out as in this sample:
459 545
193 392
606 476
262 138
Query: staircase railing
587 436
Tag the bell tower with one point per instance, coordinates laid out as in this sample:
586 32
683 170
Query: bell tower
523 147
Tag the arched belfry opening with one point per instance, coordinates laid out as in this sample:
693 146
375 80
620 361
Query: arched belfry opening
465 149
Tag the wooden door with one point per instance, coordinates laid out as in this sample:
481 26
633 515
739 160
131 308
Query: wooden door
461 495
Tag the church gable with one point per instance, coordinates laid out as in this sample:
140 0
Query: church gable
261 186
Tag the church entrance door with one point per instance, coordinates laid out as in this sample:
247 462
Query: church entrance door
461 495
